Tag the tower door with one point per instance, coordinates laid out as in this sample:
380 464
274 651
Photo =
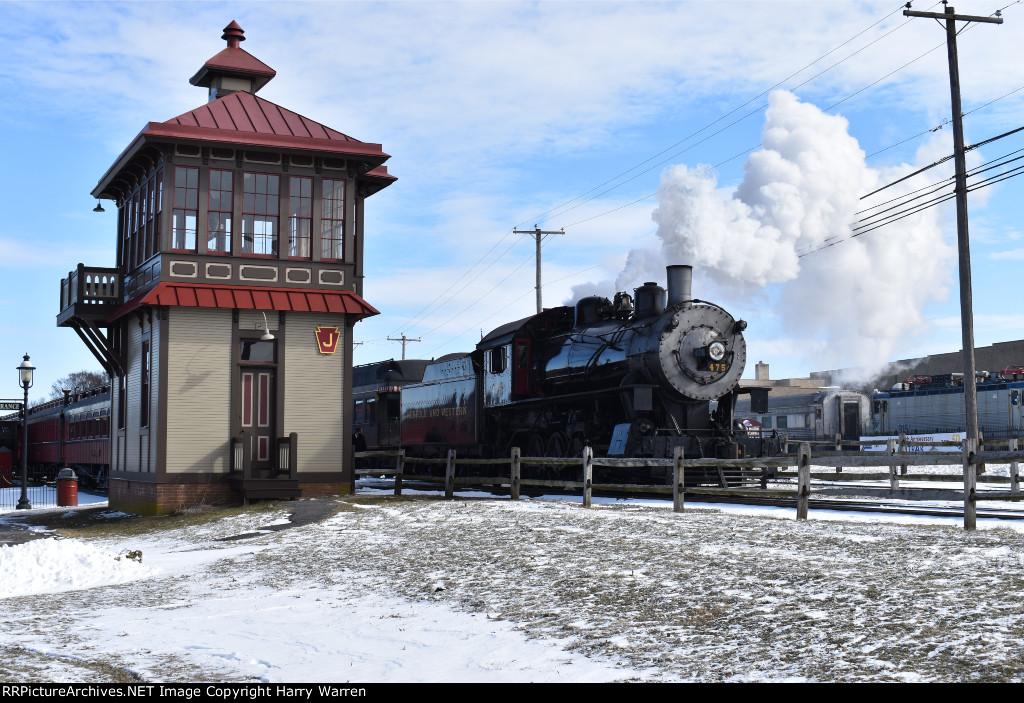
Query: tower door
257 405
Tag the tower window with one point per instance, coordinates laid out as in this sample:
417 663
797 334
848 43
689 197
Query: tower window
186 208
260 208
218 235
300 216
332 223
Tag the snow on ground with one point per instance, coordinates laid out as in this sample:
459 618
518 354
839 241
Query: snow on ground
423 589
53 566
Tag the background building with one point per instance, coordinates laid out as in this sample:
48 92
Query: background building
994 358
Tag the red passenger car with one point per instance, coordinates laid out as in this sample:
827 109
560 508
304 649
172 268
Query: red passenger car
72 431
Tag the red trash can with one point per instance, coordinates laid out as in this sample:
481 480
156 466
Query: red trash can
67 488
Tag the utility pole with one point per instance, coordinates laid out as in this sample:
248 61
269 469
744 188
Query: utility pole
963 240
537 232
404 340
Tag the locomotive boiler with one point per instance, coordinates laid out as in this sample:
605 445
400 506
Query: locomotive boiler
631 376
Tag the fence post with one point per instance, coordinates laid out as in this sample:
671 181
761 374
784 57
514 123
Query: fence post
803 481
839 448
516 473
678 476
1014 483
970 484
399 471
588 475
449 475
903 448
894 481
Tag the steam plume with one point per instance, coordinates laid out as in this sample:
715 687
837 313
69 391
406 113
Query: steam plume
850 304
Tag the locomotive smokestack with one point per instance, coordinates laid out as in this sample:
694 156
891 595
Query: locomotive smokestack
680 280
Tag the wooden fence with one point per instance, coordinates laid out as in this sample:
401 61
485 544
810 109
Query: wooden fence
898 456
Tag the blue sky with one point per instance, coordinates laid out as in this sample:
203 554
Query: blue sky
498 114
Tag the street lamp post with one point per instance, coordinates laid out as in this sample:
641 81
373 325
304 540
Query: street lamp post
25 371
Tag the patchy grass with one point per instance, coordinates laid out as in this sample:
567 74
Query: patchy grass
699 596
85 523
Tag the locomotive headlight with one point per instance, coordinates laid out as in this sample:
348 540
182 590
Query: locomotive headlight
716 350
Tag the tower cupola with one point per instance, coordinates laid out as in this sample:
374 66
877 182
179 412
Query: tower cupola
233 69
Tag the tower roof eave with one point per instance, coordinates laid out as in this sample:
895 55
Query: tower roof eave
245 120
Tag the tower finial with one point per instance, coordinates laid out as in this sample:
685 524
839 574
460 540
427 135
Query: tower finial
234 35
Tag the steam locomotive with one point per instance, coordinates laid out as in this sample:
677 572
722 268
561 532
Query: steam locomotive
629 380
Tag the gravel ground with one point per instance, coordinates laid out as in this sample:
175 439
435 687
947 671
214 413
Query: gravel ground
702 596
707 596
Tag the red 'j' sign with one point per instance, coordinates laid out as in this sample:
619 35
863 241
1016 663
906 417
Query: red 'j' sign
327 339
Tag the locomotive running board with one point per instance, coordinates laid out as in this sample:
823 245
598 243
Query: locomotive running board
648 387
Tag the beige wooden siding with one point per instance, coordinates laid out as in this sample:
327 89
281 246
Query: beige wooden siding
253 319
153 440
199 362
313 389
131 422
116 445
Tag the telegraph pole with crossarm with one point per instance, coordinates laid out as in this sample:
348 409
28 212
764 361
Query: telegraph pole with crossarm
963 239
404 340
538 232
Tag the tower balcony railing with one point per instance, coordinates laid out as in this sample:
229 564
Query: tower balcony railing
89 286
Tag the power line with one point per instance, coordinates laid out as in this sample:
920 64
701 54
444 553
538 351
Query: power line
544 216
509 304
450 292
864 225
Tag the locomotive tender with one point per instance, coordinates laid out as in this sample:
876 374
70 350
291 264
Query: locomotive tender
628 381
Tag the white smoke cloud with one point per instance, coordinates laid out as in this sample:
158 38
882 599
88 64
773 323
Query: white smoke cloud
851 304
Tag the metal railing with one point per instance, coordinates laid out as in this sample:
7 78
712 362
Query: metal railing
41 490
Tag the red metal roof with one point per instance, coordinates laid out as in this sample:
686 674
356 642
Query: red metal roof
244 118
233 61
194 295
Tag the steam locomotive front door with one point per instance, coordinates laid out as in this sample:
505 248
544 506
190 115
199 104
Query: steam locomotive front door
257 405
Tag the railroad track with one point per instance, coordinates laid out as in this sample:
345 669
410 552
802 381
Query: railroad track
862 506
838 504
